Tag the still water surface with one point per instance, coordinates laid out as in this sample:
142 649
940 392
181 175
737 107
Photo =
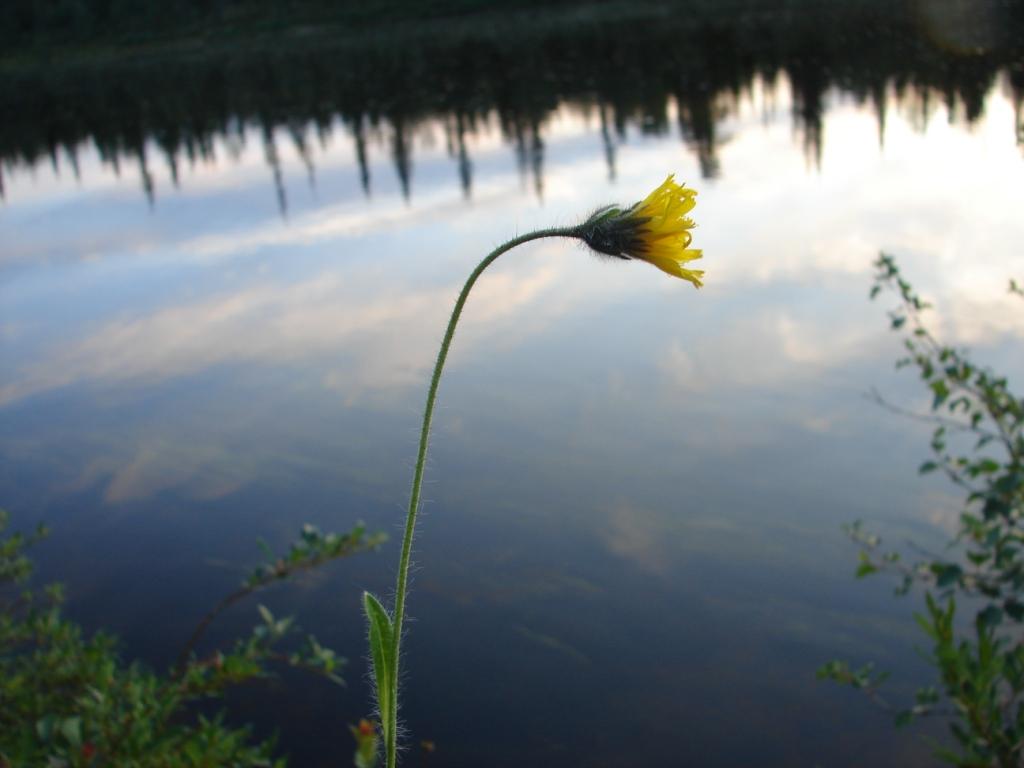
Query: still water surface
631 550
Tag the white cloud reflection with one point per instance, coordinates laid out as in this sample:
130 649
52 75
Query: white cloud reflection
386 336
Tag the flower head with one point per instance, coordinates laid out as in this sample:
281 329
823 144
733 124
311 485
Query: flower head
655 230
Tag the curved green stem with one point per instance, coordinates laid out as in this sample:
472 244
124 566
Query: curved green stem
417 479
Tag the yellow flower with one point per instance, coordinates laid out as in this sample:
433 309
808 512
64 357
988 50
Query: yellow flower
655 230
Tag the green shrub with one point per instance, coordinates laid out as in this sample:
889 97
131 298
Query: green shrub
980 662
68 699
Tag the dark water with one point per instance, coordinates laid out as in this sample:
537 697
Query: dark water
225 273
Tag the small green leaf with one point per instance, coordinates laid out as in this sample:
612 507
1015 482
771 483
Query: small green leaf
265 549
977 558
71 728
987 466
926 696
44 727
381 646
866 567
904 718
1014 610
831 670
941 393
990 617
365 735
946 574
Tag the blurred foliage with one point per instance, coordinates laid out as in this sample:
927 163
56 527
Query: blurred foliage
367 744
68 699
978 444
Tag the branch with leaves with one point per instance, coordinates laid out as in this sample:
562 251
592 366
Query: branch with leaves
313 549
68 700
981 671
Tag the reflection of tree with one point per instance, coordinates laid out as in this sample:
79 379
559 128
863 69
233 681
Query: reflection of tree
880 102
709 77
525 135
632 71
274 161
401 154
1016 71
359 137
1017 90
806 75
607 141
697 125
297 132
455 133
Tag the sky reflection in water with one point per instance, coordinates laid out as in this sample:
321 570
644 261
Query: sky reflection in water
611 445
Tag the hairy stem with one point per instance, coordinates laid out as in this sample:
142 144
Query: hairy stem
421 457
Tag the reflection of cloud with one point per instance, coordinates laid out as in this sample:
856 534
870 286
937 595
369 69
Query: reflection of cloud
323 224
263 322
386 338
679 367
638 536
820 424
206 472
976 319
199 469
941 509
552 643
659 541
763 348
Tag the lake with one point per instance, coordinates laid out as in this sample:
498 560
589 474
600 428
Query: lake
225 271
